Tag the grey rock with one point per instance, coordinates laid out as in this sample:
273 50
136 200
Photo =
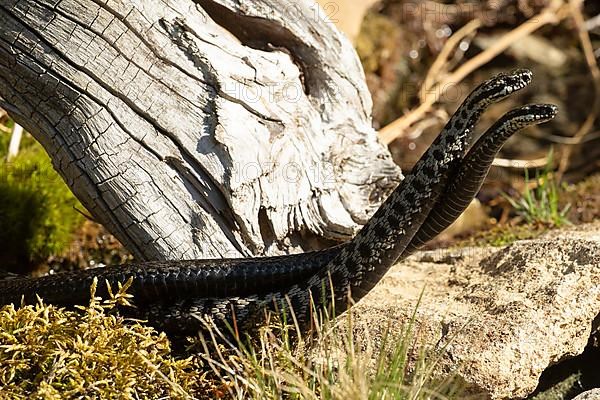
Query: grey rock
500 317
593 394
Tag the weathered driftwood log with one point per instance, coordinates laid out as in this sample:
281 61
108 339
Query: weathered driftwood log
198 128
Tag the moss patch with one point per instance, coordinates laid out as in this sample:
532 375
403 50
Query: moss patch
507 234
50 353
37 210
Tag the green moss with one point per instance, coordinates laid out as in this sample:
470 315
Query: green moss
50 353
503 235
376 40
37 210
561 390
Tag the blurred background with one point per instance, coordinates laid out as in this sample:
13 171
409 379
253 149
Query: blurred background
421 58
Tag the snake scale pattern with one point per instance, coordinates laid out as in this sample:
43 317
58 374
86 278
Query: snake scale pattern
177 296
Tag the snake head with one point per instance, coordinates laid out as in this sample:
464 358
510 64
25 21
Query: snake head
532 114
499 87
522 117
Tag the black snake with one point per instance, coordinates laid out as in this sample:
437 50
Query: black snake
177 295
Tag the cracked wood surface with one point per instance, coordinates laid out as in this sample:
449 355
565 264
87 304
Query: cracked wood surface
199 128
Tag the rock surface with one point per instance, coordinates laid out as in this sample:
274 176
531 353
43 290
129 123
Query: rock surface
501 315
593 394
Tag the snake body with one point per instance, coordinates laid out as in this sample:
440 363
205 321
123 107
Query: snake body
177 296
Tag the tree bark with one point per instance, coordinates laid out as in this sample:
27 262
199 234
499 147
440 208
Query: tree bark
198 128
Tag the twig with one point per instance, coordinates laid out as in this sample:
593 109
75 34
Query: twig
85 215
435 71
588 50
592 23
520 164
553 14
566 140
15 142
3 116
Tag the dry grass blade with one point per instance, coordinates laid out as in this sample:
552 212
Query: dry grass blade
521 164
437 68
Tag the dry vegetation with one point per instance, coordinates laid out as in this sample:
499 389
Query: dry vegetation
52 353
